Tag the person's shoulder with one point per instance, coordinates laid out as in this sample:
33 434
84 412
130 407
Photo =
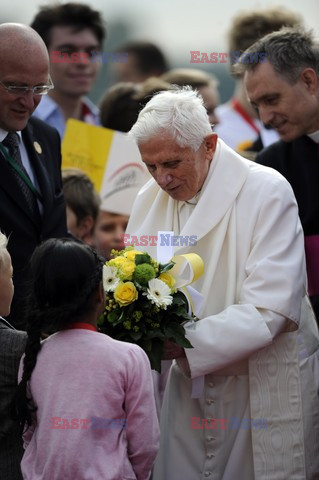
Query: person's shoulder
41 136
130 351
270 155
37 125
14 340
122 346
38 128
264 183
265 173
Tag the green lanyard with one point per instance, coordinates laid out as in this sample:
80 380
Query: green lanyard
24 177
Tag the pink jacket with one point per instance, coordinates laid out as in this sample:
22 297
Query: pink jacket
96 416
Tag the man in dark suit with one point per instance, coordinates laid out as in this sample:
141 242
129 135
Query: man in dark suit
32 206
285 90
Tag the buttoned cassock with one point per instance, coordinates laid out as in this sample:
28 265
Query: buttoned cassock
250 238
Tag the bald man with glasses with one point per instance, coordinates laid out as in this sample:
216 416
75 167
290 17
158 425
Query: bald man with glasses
32 206
18 90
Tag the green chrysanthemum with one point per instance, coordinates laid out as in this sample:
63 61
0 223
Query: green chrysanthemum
137 315
144 273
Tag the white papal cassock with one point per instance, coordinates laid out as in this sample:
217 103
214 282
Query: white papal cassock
249 236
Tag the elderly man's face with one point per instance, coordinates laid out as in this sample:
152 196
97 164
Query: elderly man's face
179 171
292 110
24 70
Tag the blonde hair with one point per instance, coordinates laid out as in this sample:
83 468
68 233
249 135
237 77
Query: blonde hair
191 76
3 247
248 26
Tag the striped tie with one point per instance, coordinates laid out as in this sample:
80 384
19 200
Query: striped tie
12 143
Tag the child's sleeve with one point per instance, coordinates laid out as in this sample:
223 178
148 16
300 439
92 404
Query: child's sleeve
142 429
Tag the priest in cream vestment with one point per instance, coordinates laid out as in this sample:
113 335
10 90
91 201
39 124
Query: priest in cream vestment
242 404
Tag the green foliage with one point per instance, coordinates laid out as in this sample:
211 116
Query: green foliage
143 258
166 267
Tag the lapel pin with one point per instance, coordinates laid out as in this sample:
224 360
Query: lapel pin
37 147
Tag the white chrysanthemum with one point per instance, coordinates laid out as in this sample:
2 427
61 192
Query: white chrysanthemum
110 278
159 293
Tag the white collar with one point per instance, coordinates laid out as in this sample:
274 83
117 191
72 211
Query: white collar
4 133
314 136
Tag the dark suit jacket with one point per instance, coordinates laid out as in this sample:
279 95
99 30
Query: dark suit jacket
12 345
298 161
24 230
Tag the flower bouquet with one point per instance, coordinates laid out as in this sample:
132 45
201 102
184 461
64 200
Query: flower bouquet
142 304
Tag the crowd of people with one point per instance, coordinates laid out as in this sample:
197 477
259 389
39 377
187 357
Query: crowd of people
244 401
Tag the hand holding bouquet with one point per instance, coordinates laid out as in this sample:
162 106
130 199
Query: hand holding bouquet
142 304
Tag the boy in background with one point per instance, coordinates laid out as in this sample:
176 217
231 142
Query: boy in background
74 32
109 230
82 204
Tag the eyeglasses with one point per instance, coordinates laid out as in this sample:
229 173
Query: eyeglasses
22 90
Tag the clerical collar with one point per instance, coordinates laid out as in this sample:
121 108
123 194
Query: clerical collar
314 136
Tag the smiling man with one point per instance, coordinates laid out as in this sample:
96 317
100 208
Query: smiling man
32 206
245 219
285 90
72 32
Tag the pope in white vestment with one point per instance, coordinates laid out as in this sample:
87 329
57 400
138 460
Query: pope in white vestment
257 413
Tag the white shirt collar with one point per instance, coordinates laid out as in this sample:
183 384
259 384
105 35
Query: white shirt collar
314 136
4 133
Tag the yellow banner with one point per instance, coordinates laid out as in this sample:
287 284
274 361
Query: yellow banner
87 147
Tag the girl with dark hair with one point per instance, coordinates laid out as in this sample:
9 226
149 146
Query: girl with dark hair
86 399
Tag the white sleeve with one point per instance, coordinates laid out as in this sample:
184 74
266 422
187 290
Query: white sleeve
275 322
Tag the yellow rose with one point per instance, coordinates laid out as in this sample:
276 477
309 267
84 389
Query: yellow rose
125 293
126 269
168 279
131 254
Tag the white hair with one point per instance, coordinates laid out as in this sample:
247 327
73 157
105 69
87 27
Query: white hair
179 112
3 247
